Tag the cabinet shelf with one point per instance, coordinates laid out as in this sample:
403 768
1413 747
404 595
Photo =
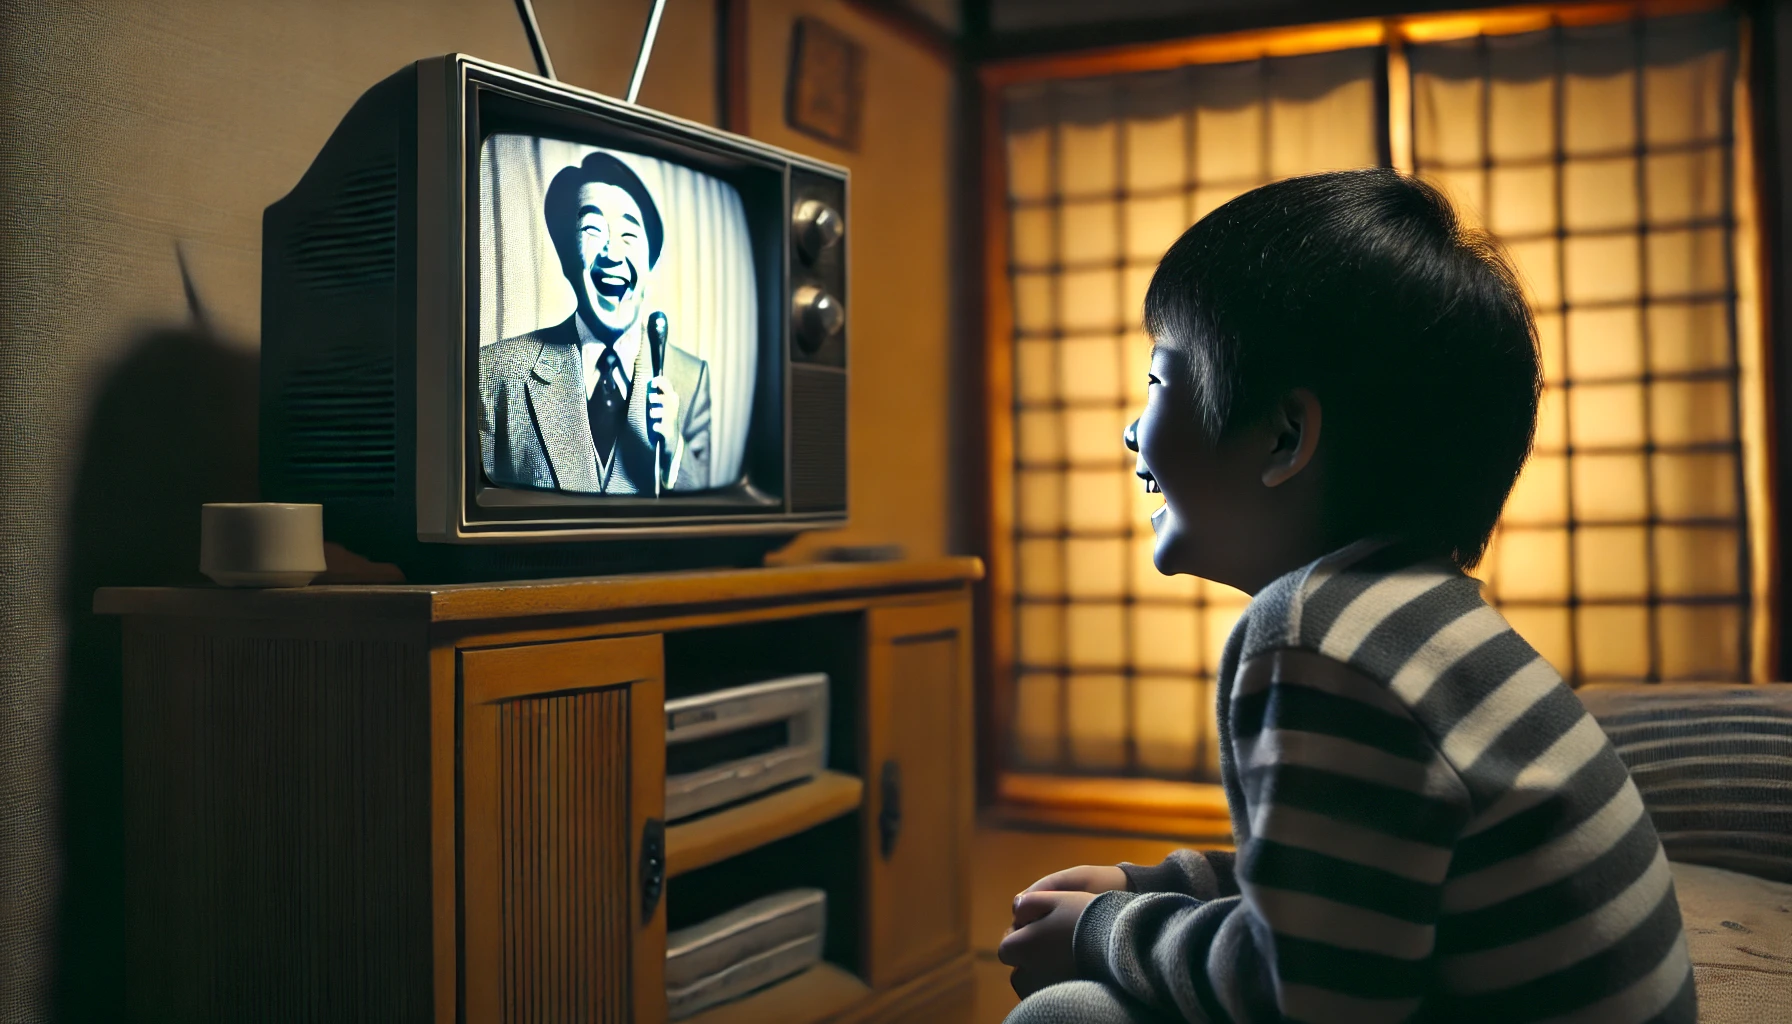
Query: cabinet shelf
814 995
719 836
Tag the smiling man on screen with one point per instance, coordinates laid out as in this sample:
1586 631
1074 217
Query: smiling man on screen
577 406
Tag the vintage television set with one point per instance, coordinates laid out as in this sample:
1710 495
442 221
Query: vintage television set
511 327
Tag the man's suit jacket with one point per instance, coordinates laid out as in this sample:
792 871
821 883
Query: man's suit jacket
533 428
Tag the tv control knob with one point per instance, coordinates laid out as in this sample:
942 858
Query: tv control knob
818 228
819 316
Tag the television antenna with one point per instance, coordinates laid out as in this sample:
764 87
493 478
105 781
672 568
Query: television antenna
532 29
653 28
545 64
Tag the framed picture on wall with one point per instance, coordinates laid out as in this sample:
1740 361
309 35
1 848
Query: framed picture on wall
826 90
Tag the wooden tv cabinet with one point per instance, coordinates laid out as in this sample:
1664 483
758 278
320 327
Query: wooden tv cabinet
439 803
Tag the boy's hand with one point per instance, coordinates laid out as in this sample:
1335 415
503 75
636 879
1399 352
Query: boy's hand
1038 946
1095 878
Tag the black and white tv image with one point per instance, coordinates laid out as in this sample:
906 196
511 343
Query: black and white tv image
512 328
618 340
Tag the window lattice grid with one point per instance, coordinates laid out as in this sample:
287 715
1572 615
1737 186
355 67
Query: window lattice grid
1603 159
1115 662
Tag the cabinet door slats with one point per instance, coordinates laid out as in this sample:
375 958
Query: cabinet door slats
276 864
563 795
552 813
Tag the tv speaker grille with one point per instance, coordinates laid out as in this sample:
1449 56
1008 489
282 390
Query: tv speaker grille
353 242
817 439
341 425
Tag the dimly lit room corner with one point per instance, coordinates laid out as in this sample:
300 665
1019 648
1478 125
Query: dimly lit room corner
754 682
137 132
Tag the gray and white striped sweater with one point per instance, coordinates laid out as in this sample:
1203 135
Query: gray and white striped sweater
1429 827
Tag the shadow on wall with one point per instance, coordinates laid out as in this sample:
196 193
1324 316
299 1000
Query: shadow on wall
174 426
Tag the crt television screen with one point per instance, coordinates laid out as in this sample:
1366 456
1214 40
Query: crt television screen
618 322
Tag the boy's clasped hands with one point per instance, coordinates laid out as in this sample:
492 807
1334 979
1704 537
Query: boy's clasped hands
1038 943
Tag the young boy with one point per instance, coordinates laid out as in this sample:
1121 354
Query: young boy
1429 826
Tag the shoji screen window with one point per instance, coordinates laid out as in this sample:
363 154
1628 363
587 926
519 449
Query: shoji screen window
1606 160
1113 663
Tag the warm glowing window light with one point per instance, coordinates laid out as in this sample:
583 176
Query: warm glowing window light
1115 662
1605 158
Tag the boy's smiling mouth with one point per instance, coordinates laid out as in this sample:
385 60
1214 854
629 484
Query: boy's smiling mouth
1151 487
1131 438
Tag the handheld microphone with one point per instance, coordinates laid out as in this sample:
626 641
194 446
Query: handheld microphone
656 341
656 354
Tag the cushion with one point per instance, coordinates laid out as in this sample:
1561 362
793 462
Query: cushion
1739 932
1713 763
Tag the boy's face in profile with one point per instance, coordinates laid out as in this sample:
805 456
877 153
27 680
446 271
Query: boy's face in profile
1214 522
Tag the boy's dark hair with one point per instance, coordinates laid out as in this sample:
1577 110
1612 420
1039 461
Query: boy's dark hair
1413 332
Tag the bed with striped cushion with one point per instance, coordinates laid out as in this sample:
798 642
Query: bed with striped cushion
1713 763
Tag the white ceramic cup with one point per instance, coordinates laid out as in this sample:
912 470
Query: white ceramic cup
261 543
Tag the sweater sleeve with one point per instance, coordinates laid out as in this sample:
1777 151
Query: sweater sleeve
1203 875
1349 821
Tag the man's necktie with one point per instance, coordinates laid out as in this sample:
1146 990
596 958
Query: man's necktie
607 408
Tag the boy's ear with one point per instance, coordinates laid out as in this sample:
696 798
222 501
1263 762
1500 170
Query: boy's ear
1294 431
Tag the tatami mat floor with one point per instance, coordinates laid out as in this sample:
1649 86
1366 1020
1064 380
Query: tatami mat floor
1007 861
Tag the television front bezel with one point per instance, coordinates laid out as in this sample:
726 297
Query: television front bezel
448 475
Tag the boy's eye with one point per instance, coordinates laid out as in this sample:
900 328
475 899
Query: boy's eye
1152 378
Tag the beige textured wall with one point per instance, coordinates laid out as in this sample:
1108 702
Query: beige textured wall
127 126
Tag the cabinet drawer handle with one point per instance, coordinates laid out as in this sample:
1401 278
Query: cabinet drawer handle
889 816
653 867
